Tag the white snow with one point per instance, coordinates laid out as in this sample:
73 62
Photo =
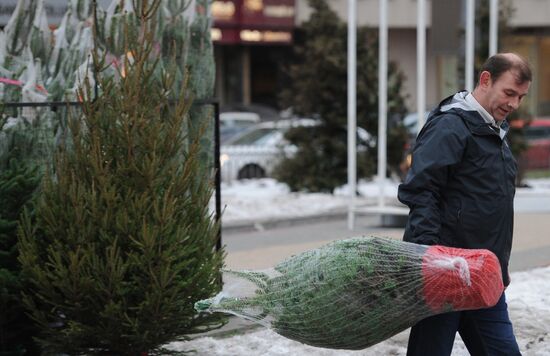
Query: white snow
528 296
264 199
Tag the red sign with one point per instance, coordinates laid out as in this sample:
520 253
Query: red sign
268 13
253 21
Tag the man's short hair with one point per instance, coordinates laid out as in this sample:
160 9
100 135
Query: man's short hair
500 63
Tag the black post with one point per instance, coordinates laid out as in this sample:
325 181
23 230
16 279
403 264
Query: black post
95 34
52 104
218 172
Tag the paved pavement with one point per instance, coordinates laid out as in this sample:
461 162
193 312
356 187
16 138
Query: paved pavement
270 243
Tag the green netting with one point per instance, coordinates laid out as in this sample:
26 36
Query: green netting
354 293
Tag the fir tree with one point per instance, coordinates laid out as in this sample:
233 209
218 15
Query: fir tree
24 148
18 181
123 241
318 88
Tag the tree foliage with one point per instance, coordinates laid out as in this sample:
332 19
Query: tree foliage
318 88
25 144
18 182
122 242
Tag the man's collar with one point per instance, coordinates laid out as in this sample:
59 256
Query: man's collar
471 100
496 125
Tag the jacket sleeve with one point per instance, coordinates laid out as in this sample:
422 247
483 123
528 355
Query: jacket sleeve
438 149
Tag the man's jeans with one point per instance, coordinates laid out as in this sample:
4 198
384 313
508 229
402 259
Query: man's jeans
484 332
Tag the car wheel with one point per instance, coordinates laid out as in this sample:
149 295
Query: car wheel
251 171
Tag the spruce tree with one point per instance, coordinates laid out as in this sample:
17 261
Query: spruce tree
123 242
18 182
318 88
24 150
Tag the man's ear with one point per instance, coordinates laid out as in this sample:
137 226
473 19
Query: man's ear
485 79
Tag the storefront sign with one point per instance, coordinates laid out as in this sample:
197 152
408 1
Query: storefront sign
253 21
225 12
265 13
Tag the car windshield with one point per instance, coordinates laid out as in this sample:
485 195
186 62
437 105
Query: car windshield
534 132
257 137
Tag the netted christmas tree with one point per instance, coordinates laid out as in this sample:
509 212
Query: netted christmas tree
354 293
200 60
38 65
123 241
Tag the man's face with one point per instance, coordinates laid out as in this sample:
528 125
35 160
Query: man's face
504 95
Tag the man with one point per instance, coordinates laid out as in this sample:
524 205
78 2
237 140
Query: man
460 191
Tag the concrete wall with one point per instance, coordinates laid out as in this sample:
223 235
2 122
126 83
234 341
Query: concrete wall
402 50
401 13
530 13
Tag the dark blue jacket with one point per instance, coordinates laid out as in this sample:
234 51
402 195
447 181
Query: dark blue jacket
461 185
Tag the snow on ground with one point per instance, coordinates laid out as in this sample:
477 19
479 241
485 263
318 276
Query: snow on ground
264 199
529 305
542 184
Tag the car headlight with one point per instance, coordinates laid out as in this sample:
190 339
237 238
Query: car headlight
223 158
409 160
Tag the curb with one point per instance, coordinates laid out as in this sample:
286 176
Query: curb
234 326
341 213
271 223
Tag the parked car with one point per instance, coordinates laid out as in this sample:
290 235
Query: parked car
235 122
410 121
537 135
255 152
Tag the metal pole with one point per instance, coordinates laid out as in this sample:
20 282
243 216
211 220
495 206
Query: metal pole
95 28
352 109
382 96
421 62
217 167
493 28
470 27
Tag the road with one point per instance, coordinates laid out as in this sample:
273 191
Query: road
263 249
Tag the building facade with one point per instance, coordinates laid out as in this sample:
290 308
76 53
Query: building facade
249 71
251 38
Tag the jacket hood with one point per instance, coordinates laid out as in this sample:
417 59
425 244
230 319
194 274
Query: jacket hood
457 103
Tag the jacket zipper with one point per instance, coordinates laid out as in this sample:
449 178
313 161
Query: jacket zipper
505 172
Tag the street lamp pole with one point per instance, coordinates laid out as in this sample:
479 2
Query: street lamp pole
382 97
352 109
493 28
421 62
470 28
